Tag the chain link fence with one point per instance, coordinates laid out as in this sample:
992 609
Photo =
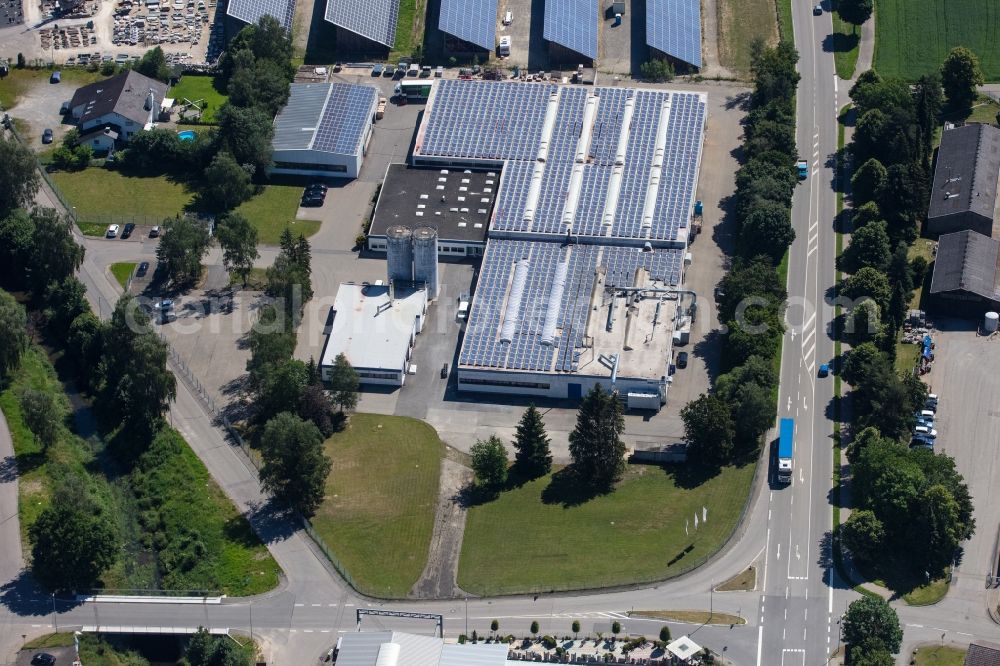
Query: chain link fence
41 169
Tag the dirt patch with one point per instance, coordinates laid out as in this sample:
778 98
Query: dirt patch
439 577
740 21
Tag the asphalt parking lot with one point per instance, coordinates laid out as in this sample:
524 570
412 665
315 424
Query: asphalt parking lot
966 377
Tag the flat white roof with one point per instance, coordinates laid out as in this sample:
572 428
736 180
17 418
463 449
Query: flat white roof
371 330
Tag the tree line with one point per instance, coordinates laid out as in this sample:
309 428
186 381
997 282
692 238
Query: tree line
728 424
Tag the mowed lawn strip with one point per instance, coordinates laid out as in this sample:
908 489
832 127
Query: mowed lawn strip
913 37
274 209
381 496
939 655
123 271
195 88
739 24
520 543
97 191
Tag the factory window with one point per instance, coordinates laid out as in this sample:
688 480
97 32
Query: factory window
378 375
502 382
341 168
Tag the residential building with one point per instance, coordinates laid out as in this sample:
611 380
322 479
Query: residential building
125 103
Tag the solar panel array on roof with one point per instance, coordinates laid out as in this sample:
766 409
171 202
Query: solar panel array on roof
250 11
372 19
475 21
680 166
573 24
347 114
526 352
674 27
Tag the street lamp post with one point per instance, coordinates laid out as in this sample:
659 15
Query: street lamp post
467 618
55 619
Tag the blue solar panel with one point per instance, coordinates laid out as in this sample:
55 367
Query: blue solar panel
250 11
474 21
372 19
680 167
638 160
573 24
674 27
347 114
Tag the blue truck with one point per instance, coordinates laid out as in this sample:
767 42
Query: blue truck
786 449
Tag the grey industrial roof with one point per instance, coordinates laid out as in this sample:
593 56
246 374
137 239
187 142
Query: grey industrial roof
982 653
966 261
124 94
250 11
330 117
965 178
362 648
456 202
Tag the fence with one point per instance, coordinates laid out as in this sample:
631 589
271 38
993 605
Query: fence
104 219
45 175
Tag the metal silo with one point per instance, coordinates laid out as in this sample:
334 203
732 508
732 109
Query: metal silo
425 259
399 253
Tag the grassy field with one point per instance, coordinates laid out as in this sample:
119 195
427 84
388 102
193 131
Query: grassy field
184 500
906 356
380 501
784 9
845 41
409 28
913 37
196 88
122 271
536 537
97 191
744 580
939 655
19 80
928 594
739 24
274 209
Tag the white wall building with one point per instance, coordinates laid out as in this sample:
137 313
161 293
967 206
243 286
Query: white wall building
126 103
324 130
375 327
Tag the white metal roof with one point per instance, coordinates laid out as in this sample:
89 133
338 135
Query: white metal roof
363 649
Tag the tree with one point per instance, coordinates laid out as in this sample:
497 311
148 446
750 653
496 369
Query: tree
280 388
865 214
64 302
344 383
768 230
154 65
494 626
17 237
533 457
246 133
55 254
664 634
960 74
855 12
315 406
13 333
755 370
181 248
936 530
595 444
864 322
868 181
871 653
616 627
238 239
928 100
709 430
754 279
868 282
489 462
226 183
657 70
872 618
261 84
18 178
203 649
73 541
271 343
534 627
753 410
864 535
869 247
294 466
576 628
83 346
860 361
42 414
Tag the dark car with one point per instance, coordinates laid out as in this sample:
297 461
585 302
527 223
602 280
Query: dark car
682 360
47 136
143 269
127 231
43 659
316 188
377 70
56 77
154 232
312 202
818 10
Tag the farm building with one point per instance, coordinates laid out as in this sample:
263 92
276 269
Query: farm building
965 273
324 129
964 194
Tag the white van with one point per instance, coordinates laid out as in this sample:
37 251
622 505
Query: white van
508 18
463 311
504 49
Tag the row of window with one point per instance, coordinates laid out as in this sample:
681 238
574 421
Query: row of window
338 168
501 382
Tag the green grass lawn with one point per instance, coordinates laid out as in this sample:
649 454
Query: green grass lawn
739 24
196 88
381 496
122 271
784 8
409 28
906 356
846 39
939 655
928 594
913 37
274 209
96 193
528 540
20 80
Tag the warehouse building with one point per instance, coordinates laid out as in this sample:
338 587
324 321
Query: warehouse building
375 327
241 13
457 203
324 130
364 27
964 194
965 279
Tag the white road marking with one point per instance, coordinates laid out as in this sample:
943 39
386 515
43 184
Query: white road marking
325 631
812 332
298 605
317 605
331 605
778 556
760 641
802 480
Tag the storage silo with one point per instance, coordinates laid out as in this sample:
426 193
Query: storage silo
425 259
990 322
399 261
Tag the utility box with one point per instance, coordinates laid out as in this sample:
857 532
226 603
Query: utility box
618 8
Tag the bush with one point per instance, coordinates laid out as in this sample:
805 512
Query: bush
657 70
548 642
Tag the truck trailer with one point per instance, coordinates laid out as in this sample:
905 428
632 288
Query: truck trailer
786 449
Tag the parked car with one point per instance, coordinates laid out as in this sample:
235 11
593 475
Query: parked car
43 659
127 231
924 431
922 443
824 370
312 202
682 360
112 231
817 10
444 371
155 232
377 70
56 77
47 136
508 18
143 269
439 72
317 187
